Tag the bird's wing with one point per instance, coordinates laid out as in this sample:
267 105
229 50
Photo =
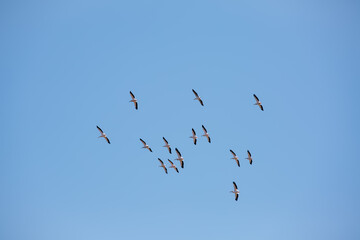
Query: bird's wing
261 107
161 161
238 162
236 196
195 140
201 102
143 142
107 140
150 150
251 162
209 139
235 187
182 164
165 170
233 153
99 129
165 141
170 162
256 98
204 128
248 152
178 153
195 93
132 95
169 150
136 105
194 133
176 169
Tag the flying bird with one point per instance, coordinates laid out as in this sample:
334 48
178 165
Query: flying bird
167 145
145 145
258 103
134 100
180 158
198 98
206 134
103 134
235 157
249 157
194 137
236 191
162 165
173 166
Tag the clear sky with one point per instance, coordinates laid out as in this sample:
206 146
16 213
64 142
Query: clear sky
67 66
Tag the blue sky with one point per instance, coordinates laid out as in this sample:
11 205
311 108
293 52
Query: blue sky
67 66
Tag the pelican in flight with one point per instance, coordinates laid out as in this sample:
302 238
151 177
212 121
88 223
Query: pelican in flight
194 137
198 98
235 157
258 103
162 165
103 134
180 158
236 191
167 145
173 165
134 100
249 157
206 134
145 145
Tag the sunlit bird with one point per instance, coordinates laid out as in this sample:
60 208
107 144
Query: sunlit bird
194 137
173 166
258 103
249 157
180 158
206 134
103 134
145 145
235 157
198 98
162 165
134 100
236 191
167 145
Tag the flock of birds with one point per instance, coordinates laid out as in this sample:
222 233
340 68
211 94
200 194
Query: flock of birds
193 136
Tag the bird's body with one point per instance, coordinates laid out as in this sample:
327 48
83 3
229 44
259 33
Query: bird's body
193 136
167 145
235 157
206 134
103 134
162 165
249 157
180 158
236 191
134 100
258 102
145 145
198 98
173 166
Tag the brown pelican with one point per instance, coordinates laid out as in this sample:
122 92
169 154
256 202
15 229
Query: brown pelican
134 100
258 103
167 145
235 157
198 98
206 134
236 191
162 165
103 134
145 145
